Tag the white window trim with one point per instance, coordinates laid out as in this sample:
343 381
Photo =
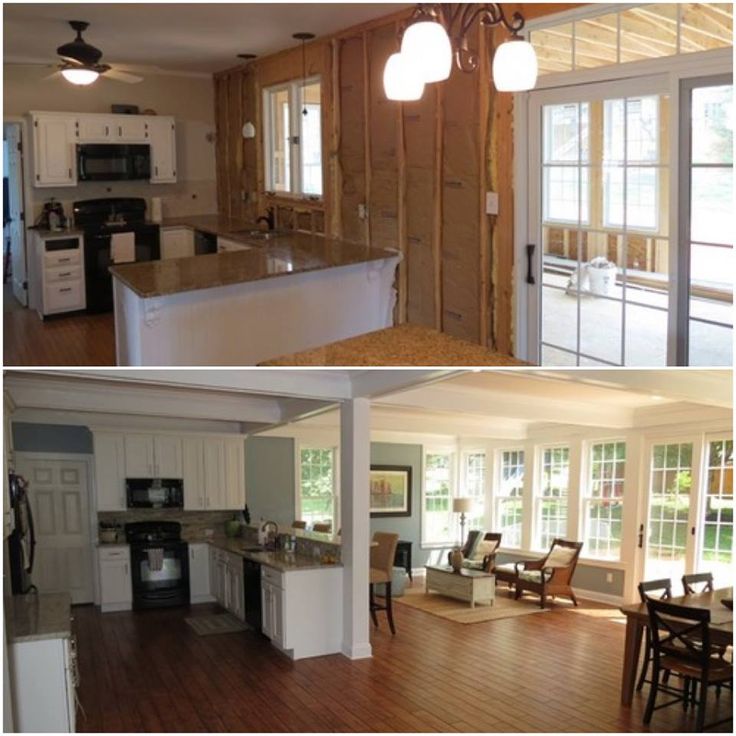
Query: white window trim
537 491
300 445
496 497
438 450
462 479
294 87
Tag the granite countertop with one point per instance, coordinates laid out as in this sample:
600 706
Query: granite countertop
34 617
213 224
281 255
46 234
278 560
401 345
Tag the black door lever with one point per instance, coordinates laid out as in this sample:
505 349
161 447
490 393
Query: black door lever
529 263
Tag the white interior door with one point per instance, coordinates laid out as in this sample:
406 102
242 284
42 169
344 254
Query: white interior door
15 229
59 496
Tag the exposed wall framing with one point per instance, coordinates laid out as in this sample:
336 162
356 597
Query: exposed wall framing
409 176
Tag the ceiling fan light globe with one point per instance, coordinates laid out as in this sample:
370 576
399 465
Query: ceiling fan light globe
401 80
80 77
515 66
428 50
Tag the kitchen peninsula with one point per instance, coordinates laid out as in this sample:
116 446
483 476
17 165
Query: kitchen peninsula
263 295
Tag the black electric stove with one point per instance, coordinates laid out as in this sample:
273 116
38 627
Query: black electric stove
159 564
99 219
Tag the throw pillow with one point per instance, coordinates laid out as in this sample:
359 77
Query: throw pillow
486 547
560 557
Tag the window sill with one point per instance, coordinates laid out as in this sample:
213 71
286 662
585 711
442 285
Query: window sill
437 545
293 199
587 561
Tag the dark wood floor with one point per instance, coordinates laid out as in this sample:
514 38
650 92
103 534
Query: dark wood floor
555 671
85 339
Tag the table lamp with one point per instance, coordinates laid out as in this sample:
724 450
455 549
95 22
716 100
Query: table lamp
462 506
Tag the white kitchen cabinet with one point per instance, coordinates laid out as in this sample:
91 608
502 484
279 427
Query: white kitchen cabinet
162 135
193 474
218 571
130 128
96 128
272 602
234 474
153 456
110 471
176 242
54 159
199 573
224 245
115 585
214 474
56 278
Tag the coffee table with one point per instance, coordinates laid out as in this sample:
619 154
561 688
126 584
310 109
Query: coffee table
466 585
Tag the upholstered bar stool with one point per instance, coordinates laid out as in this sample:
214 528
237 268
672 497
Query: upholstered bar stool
383 551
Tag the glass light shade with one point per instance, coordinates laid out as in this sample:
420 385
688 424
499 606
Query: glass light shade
463 505
401 80
427 48
515 66
80 76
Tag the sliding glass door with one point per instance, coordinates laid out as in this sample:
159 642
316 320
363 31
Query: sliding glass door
612 285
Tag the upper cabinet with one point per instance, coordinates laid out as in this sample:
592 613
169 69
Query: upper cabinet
162 133
110 471
56 135
153 456
54 159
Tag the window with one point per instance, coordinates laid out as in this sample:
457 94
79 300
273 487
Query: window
318 498
293 138
603 500
509 501
551 502
474 472
438 482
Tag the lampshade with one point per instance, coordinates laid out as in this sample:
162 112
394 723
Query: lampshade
428 50
515 66
80 75
401 80
462 505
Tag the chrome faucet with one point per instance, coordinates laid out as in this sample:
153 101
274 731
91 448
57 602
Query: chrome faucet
269 218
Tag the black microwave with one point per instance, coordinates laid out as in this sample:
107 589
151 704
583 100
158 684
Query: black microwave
113 162
154 493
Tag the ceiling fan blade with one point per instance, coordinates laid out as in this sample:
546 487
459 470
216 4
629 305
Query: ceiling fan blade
53 75
123 76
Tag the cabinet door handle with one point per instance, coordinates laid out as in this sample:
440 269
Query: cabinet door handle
107 130
68 288
64 260
66 273
155 168
120 130
70 172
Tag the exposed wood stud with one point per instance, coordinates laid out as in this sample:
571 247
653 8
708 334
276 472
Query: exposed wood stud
402 221
367 134
484 87
336 209
437 205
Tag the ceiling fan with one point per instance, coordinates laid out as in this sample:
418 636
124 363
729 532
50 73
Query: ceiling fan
81 61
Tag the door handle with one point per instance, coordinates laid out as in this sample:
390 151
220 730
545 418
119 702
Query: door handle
530 248
641 536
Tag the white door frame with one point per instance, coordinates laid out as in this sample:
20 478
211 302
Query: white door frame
675 69
88 460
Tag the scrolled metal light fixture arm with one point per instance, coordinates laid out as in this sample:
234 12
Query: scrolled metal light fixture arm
465 15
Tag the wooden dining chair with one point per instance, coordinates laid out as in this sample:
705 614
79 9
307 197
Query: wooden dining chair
647 589
321 527
681 644
689 583
381 571
298 524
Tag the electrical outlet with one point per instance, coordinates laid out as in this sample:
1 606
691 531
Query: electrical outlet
362 211
491 203
609 577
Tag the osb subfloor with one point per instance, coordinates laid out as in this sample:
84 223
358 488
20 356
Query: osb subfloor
83 339
556 672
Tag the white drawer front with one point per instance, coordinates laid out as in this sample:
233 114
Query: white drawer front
63 273
62 257
63 296
272 576
116 553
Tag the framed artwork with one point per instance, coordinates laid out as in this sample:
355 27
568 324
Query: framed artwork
390 489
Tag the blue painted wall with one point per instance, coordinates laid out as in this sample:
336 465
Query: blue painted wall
28 437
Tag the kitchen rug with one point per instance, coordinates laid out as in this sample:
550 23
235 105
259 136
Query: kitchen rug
455 610
216 623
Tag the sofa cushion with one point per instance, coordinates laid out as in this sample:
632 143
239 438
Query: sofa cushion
534 576
508 568
560 557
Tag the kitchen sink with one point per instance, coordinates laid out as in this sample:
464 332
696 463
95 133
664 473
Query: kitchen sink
260 234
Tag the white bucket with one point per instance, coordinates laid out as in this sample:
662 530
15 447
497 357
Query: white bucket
602 280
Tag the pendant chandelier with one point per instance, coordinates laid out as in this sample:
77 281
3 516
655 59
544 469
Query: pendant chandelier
438 33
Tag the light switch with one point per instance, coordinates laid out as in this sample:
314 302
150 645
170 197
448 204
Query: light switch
491 203
362 211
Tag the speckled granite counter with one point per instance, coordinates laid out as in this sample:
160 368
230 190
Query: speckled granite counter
281 255
214 224
401 345
34 617
281 561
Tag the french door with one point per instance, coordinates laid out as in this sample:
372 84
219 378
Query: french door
689 515
626 263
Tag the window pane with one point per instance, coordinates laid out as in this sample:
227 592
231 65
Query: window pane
437 498
638 41
279 153
596 41
566 133
604 499
705 26
509 507
317 486
563 201
554 48
311 139
712 120
551 516
475 475
711 219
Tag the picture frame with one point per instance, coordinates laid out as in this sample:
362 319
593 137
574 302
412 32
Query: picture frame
390 491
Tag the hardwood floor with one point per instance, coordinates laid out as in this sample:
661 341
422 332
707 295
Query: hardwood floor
555 671
85 339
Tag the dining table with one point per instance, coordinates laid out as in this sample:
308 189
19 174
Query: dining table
637 619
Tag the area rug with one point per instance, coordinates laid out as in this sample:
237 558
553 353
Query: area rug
216 623
461 612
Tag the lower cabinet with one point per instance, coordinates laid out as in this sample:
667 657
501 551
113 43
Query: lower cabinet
116 590
176 242
199 573
302 610
226 583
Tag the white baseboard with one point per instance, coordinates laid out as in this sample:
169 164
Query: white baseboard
202 599
113 607
592 595
357 651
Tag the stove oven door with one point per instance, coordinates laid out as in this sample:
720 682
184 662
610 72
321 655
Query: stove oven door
160 574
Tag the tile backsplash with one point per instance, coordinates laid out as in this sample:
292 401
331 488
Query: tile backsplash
193 523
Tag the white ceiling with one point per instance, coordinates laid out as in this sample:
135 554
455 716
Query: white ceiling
178 37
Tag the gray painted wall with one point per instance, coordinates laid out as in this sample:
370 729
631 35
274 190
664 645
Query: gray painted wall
270 482
28 437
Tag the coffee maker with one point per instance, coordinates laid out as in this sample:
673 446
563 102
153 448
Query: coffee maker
52 216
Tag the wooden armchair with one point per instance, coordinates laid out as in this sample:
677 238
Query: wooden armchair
485 562
550 575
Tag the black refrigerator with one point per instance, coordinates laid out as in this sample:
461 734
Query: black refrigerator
22 540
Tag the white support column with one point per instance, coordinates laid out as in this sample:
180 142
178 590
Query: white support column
355 448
